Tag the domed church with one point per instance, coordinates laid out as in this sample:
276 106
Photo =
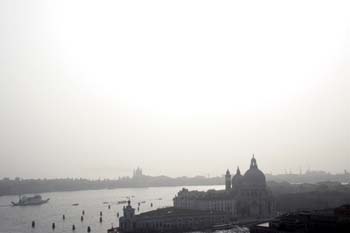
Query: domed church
252 179
245 196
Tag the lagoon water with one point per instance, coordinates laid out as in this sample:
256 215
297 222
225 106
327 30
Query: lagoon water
18 219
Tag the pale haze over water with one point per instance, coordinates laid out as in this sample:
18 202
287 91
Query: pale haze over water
95 88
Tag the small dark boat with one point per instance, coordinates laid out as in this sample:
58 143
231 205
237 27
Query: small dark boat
75 204
113 230
122 202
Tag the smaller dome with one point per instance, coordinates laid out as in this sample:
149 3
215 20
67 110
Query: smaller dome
237 179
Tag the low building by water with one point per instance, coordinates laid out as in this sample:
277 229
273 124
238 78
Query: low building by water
170 219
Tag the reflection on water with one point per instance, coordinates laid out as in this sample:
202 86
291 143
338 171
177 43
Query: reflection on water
18 219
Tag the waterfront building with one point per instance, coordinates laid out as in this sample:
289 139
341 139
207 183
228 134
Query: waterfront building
169 219
245 196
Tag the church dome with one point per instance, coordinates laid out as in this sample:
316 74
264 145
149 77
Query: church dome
254 177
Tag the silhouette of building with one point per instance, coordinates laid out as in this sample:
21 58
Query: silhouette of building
316 221
244 196
168 220
137 173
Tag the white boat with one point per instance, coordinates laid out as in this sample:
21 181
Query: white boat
34 200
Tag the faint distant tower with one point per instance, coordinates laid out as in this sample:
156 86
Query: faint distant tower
137 172
228 180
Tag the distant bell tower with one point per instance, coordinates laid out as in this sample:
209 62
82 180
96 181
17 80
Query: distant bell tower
228 180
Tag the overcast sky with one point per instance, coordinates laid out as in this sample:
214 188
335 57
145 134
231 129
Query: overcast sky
94 89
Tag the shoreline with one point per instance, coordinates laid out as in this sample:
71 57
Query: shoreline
83 190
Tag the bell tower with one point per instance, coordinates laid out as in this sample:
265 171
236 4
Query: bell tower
228 180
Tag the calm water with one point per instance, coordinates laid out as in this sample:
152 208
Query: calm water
18 219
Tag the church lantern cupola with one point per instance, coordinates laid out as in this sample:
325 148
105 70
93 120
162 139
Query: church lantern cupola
253 163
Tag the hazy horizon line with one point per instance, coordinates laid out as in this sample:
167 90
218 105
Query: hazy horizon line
173 177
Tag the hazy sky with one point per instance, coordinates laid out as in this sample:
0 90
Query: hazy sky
94 89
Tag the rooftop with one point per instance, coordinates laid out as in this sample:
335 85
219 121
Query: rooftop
208 195
172 212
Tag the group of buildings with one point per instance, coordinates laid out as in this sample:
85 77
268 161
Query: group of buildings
318 221
245 197
169 220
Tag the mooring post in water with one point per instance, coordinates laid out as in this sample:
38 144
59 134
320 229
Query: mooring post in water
117 214
63 217
109 206
73 227
89 229
53 226
83 212
81 218
100 213
100 218
33 224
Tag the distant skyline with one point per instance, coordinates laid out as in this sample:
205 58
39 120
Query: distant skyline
96 88
232 171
